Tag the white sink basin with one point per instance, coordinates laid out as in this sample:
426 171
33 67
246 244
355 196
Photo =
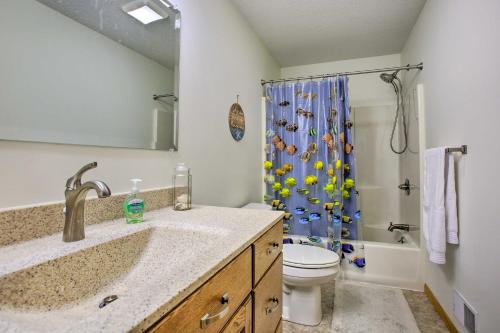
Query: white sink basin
74 284
74 277
47 285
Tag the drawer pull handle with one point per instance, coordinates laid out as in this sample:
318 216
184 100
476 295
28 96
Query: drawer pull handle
274 246
207 319
275 301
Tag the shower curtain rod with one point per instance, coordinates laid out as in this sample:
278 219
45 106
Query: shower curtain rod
419 66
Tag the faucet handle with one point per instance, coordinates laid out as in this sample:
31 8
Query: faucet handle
75 181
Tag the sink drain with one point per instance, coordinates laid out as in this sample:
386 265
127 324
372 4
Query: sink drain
106 300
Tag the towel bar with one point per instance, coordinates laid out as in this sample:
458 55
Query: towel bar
462 149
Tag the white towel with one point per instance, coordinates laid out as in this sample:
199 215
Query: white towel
440 222
450 202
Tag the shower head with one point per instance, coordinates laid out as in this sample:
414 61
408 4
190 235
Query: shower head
396 83
389 78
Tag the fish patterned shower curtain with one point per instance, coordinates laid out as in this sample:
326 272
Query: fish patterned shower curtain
310 163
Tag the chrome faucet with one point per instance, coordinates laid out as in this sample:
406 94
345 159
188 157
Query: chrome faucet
75 194
404 227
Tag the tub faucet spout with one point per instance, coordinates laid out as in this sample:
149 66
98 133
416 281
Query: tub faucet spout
404 227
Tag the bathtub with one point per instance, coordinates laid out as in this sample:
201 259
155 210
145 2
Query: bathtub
387 262
390 264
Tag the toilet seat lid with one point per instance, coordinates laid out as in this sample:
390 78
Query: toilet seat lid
307 256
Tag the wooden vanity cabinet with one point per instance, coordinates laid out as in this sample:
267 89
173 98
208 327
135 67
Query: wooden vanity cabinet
243 297
242 320
268 303
265 251
279 329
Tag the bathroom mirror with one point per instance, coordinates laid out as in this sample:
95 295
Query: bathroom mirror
90 72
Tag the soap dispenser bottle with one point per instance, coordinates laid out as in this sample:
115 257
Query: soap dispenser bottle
133 206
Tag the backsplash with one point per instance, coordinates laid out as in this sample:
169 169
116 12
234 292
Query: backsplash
23 224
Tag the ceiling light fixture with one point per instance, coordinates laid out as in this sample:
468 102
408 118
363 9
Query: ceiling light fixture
147 11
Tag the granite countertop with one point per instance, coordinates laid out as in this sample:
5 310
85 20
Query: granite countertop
151 266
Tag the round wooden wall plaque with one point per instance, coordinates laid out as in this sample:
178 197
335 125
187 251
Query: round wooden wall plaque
236 122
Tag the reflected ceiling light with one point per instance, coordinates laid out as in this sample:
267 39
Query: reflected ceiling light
146 11
145 14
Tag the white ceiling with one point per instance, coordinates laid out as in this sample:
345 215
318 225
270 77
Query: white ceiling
312 31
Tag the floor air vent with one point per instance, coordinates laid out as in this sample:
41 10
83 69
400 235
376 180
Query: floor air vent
464 312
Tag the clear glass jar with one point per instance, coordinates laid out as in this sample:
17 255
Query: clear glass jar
182 187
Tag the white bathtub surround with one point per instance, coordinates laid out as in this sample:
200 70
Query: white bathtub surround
439 199
361 307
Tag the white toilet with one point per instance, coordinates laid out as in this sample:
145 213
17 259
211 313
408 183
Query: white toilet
305 269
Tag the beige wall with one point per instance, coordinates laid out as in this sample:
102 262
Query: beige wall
220 58
458 41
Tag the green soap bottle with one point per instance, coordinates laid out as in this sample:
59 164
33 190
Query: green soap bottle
133 206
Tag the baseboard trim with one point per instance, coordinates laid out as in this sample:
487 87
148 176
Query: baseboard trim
439 309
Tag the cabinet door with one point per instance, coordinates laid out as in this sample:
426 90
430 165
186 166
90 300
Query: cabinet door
242 320
268 299
209 308
266 250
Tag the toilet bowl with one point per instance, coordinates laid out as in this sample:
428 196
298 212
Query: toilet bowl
305 269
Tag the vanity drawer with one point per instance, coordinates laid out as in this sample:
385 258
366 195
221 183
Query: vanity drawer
242 320
202 307
266 250
268 299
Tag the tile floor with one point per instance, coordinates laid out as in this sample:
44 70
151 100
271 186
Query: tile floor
427 319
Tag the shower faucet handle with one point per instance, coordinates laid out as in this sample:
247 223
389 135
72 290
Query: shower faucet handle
407 186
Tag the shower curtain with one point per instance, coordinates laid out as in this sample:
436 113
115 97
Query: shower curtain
310 164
